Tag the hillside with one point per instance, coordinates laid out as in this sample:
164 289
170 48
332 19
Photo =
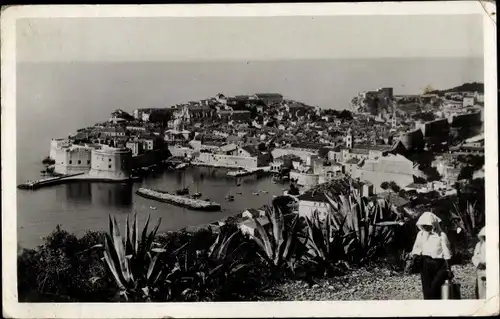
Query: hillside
466 87
377 103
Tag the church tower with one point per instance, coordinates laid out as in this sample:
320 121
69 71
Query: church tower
348 139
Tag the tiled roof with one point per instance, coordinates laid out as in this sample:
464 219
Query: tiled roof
352 161
251 149
313 197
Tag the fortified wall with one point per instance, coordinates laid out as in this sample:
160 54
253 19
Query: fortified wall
180 151
303 154
111 163
436 128
228 160
72 159
56 144
469 119
305 179
150 158
413 140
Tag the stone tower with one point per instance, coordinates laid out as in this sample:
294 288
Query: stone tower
393 120
348 139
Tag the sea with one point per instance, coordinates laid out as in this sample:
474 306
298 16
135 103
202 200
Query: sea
53 100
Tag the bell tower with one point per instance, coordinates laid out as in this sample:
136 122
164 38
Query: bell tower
348 139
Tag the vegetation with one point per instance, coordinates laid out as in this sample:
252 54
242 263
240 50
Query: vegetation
223 263
392 186
466 87
277 244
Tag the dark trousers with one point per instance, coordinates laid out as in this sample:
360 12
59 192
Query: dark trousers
433 274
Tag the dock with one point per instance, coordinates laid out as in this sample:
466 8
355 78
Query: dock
78 177
240 173
191 203
45 182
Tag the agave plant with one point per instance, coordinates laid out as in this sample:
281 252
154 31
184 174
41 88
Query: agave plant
467 219
276 246
325 244
201 276
133 259
366 226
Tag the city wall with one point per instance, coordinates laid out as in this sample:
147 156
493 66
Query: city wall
305 179
228 160
470 119
177 151
303 154
150 158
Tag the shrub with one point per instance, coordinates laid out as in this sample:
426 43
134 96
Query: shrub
277 245
324 244
59 271
133 260
365 225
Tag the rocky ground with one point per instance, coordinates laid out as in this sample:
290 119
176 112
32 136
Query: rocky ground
363 284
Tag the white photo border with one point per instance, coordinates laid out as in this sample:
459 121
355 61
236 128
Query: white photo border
13 309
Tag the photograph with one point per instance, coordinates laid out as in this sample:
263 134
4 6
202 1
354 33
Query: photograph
259 156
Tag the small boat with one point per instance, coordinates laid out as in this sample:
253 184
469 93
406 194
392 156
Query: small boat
239 193
152 207
256 194
181 166
265 192
196 195
183 191
229 198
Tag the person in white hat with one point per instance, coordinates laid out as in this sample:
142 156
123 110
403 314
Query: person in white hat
433 246
479 260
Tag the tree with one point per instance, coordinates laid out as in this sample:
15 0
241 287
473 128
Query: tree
323 152
384 185
161 117
293 190
394 187
402 193
428 89
346 115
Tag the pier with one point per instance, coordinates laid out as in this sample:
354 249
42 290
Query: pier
44 182
241 173
182 201
78 177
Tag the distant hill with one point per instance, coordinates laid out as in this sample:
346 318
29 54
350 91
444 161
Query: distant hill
466 87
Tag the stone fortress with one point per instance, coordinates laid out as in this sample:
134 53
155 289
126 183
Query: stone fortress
94 161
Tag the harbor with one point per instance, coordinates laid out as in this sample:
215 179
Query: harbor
79 206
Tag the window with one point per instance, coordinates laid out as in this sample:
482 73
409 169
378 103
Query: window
109 159
109 166
88 161
79 162
70 161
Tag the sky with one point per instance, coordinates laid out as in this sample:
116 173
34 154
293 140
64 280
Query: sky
242 38
66 65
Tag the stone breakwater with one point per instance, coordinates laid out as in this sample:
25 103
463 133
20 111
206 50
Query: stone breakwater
183 201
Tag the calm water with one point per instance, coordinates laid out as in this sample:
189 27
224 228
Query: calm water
81 206
55 99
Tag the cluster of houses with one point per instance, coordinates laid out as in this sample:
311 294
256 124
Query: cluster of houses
312 145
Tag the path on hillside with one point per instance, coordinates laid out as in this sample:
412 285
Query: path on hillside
377 284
